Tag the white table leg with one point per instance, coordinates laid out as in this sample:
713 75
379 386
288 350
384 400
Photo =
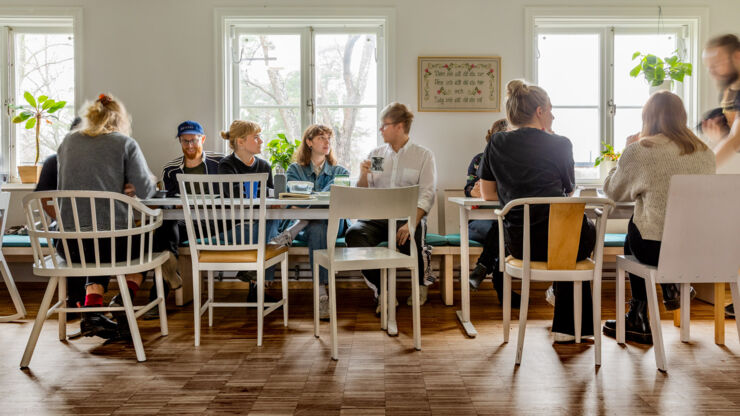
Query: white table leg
464 314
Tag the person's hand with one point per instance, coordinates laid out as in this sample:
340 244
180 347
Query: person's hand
713 129
129 190
631 139
475 192
365 167
402 235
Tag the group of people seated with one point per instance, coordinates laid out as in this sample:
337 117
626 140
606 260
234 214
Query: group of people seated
523 158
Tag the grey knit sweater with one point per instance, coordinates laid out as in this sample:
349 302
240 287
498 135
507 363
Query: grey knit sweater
643 175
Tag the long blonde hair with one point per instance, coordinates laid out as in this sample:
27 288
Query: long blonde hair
664 114
302 156
240 128
105 115
522 100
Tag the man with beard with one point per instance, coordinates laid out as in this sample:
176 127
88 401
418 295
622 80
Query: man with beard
171 234
722 58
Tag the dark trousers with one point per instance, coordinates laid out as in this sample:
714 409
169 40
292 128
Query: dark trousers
170 235
104 250
647 251
563 317
489 256
373 232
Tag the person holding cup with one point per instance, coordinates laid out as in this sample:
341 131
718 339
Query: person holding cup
399 162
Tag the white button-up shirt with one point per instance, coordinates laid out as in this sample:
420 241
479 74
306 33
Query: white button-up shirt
411 165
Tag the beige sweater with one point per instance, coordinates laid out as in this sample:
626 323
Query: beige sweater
643 175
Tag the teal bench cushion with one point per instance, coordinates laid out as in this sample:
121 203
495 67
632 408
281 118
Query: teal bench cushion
12 240
296 243
434 240
454 240
614 240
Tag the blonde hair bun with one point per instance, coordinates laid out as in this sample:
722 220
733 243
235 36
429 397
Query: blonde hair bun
515 87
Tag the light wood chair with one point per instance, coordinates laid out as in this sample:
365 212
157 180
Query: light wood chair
20 309
564 231
140 223
221 238
700 244
372 204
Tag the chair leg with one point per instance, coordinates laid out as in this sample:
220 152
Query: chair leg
131 317
62 315
333 314
735 289
415 305
620 306
196 303
390 302
596 299
210 298
316 298
685 312
507 306
383 300
655 328
719 313
158 281
14 295
260 303
577 309
284 284
39 323
522 319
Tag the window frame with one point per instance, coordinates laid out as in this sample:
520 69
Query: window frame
686 22
36 20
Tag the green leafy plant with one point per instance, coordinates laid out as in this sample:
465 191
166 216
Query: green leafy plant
41 108
607 154
655 70
281 151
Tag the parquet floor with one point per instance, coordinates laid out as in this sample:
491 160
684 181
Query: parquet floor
375 375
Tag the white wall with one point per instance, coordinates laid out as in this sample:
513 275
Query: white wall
158 57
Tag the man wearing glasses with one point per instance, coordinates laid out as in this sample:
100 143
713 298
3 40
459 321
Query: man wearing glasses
194 160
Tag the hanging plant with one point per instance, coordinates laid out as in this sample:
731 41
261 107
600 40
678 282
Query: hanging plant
656 70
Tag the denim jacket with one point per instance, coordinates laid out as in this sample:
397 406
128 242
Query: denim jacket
323 182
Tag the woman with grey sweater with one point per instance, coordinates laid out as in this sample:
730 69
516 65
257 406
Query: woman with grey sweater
665 147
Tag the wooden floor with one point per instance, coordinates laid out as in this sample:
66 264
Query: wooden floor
376 374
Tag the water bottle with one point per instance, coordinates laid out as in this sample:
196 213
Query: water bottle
279 181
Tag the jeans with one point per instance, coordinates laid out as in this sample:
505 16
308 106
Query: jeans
478 229
315 235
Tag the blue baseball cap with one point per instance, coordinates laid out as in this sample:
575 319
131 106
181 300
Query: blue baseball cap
190 127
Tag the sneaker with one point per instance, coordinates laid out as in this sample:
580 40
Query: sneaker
561 338
423 292
550 296
283 239
170 274
377 308
324 307
151 314
97 324
730 311
477 276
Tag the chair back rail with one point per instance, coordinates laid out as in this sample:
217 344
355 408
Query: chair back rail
85 209
701 233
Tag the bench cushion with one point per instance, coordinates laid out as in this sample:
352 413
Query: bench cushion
454 240
614 240
434 240
12 240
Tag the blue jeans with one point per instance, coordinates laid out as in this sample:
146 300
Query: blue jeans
478 229
271 230
315 235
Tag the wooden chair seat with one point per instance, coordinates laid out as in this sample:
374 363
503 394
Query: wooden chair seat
586 264
240 256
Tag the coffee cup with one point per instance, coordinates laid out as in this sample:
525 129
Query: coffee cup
376 163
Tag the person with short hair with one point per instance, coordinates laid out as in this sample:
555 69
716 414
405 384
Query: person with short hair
404 163
665 147
527 161
101 156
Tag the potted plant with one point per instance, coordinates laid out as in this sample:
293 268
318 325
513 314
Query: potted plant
607 159
39 109
660 73
281 155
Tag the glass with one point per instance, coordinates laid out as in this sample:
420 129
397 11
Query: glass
191 142
270 70
630 91
568 68
355 133
44 65
581 126
341 180
346 70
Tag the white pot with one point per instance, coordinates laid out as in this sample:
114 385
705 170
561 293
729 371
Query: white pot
665 86
606 166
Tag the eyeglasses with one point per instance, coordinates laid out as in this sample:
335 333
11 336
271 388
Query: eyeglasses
191 142
384 125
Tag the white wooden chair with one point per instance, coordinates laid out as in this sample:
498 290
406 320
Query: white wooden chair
372 204
700 244
220 234
564 231
141 222
20 309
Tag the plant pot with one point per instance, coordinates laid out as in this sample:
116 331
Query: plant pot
606 166
29 174
665 86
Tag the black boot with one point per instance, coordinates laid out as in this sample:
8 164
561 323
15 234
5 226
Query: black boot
96 324
252 296
637 326
672 296
477 276
498 284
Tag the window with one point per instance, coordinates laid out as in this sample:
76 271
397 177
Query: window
584 65
288 77
40 59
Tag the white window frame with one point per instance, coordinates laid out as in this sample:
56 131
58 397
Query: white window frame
37 20
684 21
294 20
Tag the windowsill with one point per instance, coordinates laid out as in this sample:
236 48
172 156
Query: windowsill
10 187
